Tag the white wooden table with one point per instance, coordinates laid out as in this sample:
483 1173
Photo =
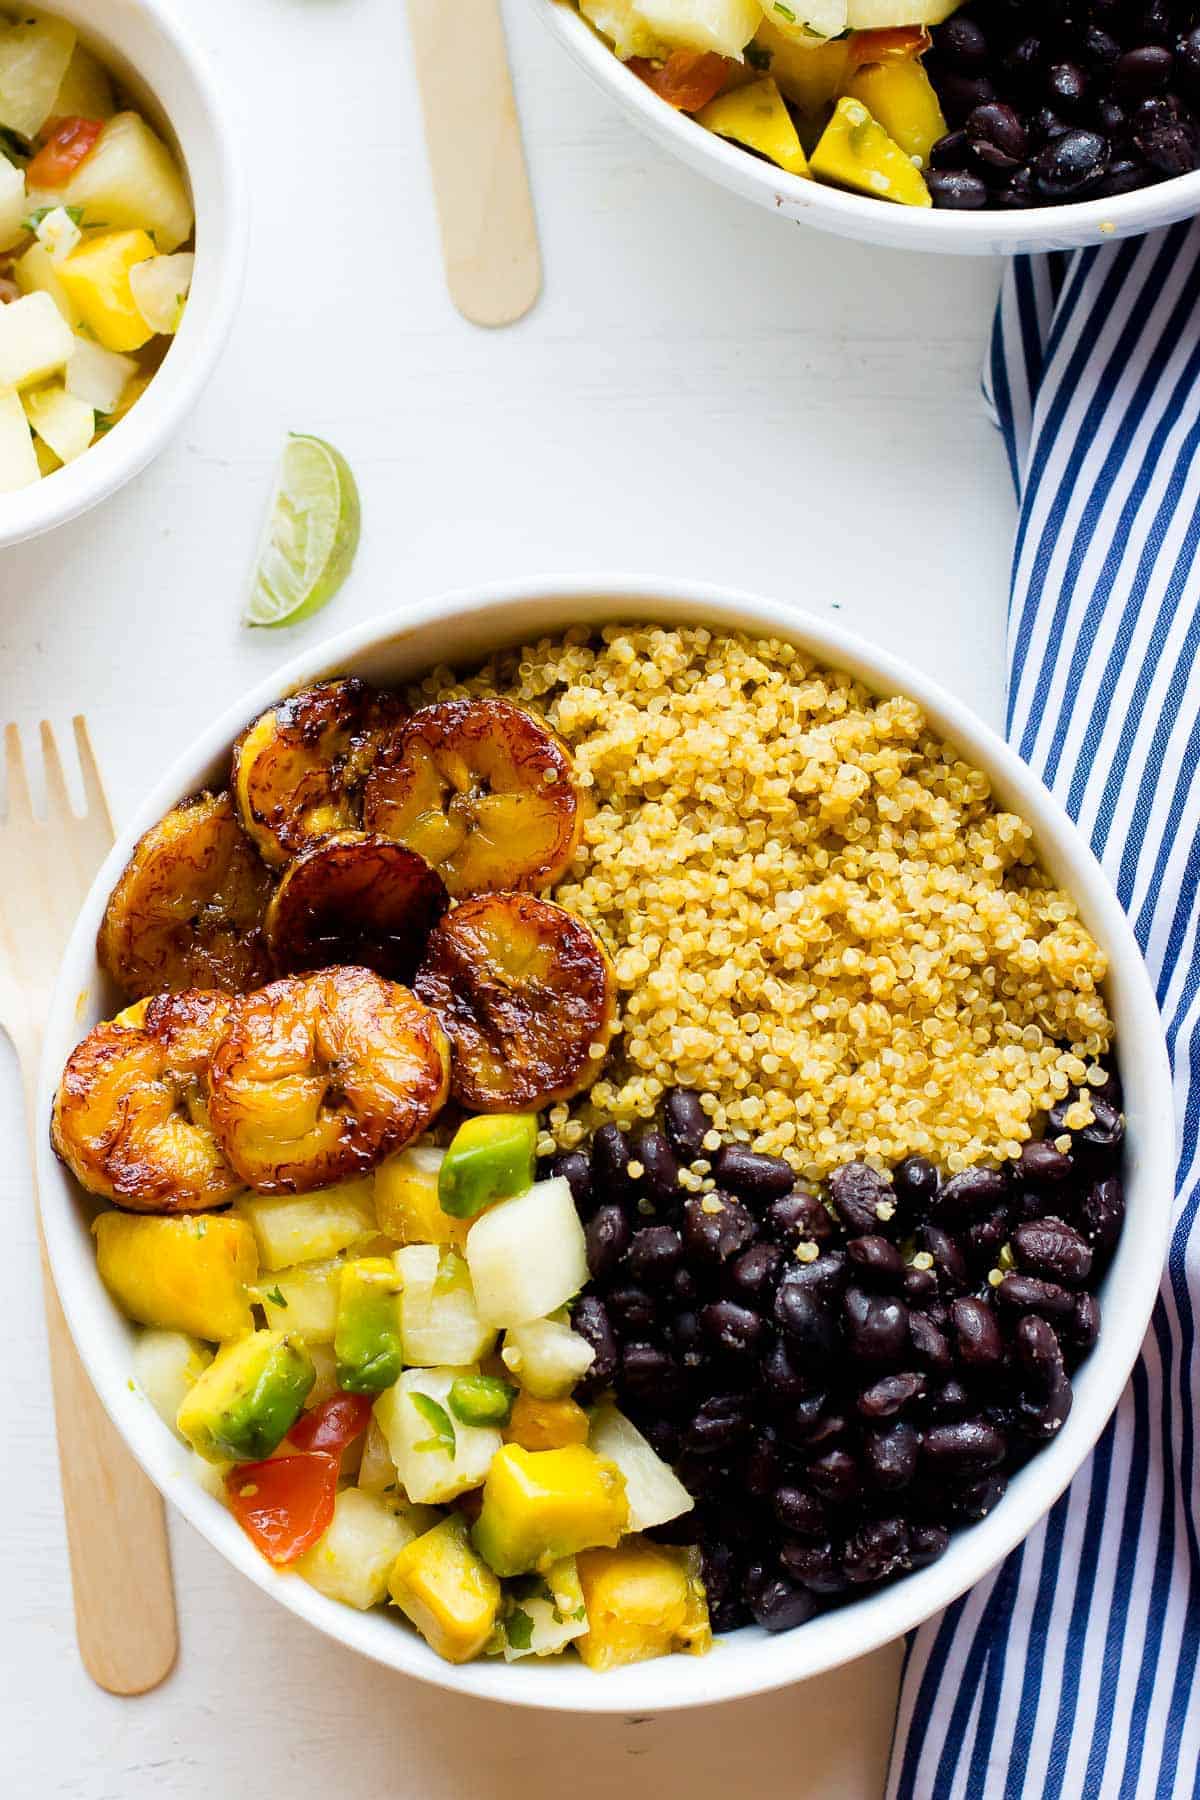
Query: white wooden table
703 389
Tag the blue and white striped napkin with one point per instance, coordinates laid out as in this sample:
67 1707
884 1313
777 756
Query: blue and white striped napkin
1070 1671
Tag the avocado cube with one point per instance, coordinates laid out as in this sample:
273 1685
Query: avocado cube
539 1505
366 1338
451 1597
185 1274
856 152
642 1600
490 1158
481 1400
248 1398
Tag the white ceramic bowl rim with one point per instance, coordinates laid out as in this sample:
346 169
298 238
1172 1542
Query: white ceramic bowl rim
220 269
855 215
457 625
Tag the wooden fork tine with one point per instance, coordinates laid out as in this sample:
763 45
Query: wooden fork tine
59 804
20 801
95 800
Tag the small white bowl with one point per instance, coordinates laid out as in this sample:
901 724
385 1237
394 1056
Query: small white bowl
465 626
154 57
855 215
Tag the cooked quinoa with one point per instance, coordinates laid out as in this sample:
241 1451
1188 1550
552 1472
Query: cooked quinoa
819 918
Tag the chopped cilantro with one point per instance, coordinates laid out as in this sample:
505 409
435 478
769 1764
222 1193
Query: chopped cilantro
74 213
785 12
439 1421
105 422
758 56
519 1626
275 1296
13 146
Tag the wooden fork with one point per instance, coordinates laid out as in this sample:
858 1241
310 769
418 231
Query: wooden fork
116 1532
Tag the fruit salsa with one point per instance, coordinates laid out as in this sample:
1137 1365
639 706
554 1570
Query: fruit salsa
580 1199
930 102
95 264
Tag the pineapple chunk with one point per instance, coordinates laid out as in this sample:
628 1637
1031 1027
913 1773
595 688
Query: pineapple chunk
809 73
98 377
352 1561
623 25
756 116
725 26
97 277
527 1255
407 1203
19 465
546 1357
539 1505
377 1471
130 180
808 19
856 152
303 1299
301 1228
545 1612
437 1457
35 54
325 1381
58 233
35 273
182 1274
642 1600
35 341
439 1320
880 15
545 1424
654 1491
166 1366
13 204
63 422
86 91
160 290
451 1597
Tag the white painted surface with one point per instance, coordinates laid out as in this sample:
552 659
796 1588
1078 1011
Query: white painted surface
702 389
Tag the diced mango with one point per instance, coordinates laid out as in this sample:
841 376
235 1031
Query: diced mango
183 1274
900 95
539 1505
407 1204
856 152
756 116
642 1600
546 1424
96 276
451 1596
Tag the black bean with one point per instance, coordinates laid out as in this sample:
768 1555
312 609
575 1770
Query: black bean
1048 1248
824 1277
664 1436
659 1180
971 1501
1028 1293
1066 87
715 1227
929 1345
576 1171
719 1425
890 1395
915 1180
780 1605
961 44
889 1455
731 1329
1068 162
1146 70
1101 1141
964 1447
684 1333
950 152
751 1276
797 1218
1102 1213
807 1322
801 1422
948 1258
996 135
862 1199
762 1463
965 1196
926 1543
983 1240
1083 1328
1046 1405
590 1319
920 1285
980 1344
948 1399
961 94
1100 47
1042 1165
607 1236
876 1326
876 1261
875 1551
654 1254
835 1475
686 1123
684 1286
722 1583
610 1166
800 1512
649 1374
632 1310
816 1566
1047 126
754 1178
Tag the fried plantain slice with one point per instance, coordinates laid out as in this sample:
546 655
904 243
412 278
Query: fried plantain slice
321 1076
528 999
484 791
355 899
298 769
131 1116
188 910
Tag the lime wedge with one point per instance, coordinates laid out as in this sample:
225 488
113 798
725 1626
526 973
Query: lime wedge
311 535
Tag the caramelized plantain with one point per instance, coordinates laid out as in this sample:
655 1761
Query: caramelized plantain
483 790
527 996
188 910
131 1116
321 1076
355 899
298 769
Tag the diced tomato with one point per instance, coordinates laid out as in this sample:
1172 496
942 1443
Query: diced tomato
70 141
333 1424
895 44
688 79
284 1504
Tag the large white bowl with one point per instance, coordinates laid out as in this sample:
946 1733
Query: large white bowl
855 215
144 44
463 626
